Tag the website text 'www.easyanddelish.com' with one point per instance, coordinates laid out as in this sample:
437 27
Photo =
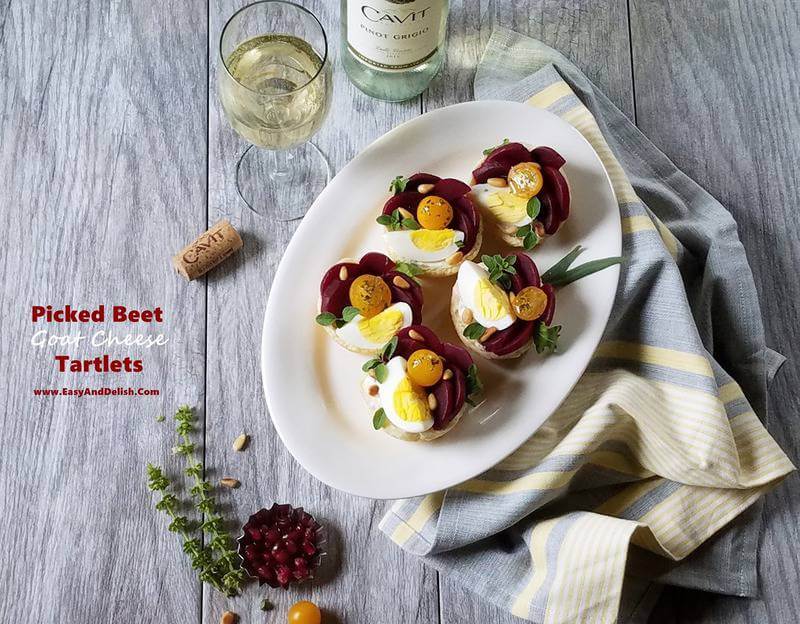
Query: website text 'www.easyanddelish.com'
95 392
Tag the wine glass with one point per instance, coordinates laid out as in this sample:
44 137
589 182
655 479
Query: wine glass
275 86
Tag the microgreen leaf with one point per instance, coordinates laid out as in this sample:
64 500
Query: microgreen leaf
409 224
489 150
530 240
266 605
370 364
378 419
593 266
546 338
533 207
500 268
160 418
349 313
398 185
381 372
326 318
474 384
562 265
389 348
473 331
385 220
408 268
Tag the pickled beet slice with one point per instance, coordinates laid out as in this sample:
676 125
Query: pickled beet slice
421 178
457 356
509 340
509 154
487 170
335 293
550 310
376 263
463 222
407 199
445 401
460 387
547 157
526 269
558 190
547 213
451 189
430 340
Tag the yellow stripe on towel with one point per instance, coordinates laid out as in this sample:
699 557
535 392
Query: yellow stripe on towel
427 507
658 356
550 95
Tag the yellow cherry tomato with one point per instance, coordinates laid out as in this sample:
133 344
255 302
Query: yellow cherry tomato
370 294
434 213
530 303
425 367
525 179
305 612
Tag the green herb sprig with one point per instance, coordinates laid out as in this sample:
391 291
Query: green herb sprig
409 269
546 338
560 274
473 331
396 221
528 232
474 385
489 150
378 365
500 269
378 419
216 562
329 318
398 184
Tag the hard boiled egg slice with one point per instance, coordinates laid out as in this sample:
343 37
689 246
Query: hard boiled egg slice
488 302
404 402
502 204
373 333
423 245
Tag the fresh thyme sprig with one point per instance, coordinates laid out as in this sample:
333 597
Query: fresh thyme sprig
216 562
528 232
396 221
489 150
329 318
378 365
500 268
398 184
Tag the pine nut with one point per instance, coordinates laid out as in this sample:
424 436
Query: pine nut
467 316
241 442
432 403
448 374
424 188
229 482
511 297
400 282
497 182
229 617
343 273
415 335
455 258
539 229
487 334
373 390
405 213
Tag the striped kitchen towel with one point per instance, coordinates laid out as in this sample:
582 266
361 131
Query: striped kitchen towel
658 448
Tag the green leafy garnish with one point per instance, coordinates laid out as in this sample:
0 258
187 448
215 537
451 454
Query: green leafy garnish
398 185
528 232
381 372
409 269
378 365
329 318
474 385
489 150
560 274
370 364
217 561
160 418
396 221
389 348
500 268
473 331
378 419
531 239
533 207
546 338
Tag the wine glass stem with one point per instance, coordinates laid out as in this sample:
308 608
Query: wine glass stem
280 162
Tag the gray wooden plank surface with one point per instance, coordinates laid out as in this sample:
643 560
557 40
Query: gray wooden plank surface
369 569
102 170
717 90
595 36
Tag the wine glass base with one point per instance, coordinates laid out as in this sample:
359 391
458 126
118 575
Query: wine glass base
281 184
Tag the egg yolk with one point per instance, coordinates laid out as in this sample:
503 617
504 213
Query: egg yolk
381 327
434 213
425 367
410 402
530 303
507 207
431 240
525 179
370 294
491 301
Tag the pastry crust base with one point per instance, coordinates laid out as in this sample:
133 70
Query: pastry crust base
474 345
373 403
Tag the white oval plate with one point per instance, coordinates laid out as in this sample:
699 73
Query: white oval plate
312 384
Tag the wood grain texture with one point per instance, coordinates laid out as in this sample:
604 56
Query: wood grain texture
362 584
595 36
717 88
102 170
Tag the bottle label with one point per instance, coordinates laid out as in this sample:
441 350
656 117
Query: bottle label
393 35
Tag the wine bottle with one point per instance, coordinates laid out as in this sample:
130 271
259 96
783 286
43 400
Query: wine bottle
393 48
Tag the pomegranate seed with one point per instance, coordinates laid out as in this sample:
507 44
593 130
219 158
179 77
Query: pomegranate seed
310 534
300 575
299 562
254 534
291 547
295 536
271 536
283 574
281 556
309 548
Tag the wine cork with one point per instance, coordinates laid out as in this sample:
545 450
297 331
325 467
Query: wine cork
207 250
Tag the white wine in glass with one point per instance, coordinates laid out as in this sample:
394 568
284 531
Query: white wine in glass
275 88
